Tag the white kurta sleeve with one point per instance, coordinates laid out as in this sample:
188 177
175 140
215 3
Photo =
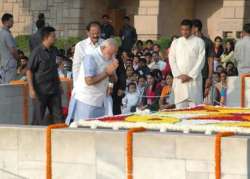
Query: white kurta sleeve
237 53
196 71
77 58
172 60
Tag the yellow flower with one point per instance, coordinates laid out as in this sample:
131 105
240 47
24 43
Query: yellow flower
155 119
234 124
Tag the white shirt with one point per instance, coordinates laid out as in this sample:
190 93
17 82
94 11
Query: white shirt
187 56
160 65
92 95
242 55
82 49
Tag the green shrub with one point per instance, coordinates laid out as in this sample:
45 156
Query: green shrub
22 42
65 43
118 40
164 42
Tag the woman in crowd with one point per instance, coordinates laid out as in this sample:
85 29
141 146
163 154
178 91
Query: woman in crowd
218 51
228 55
151 94
166 99
22 68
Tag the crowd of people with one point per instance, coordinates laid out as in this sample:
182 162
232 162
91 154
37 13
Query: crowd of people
135 76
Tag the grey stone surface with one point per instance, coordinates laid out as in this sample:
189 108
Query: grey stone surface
11 104
110 155
101 154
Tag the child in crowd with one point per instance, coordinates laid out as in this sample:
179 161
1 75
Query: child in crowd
130 100
219 69
143 68
139 45
221 88
136 60
231 69
141 87
61 71
149 58
210 96
149 46
135 77
134 50
129 75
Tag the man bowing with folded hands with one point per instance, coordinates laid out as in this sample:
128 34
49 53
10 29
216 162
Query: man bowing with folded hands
96 71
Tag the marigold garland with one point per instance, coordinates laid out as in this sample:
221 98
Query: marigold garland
223 117
49 147
218 138
152 119
234 124
130 150
243 89
113 118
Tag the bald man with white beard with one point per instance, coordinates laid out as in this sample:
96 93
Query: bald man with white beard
96 71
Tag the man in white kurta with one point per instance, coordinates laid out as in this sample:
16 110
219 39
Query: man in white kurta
86 47
242 51
90 89
187 58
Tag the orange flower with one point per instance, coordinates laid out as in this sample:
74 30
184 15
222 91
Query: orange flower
243 88
48 148
130 150
218 152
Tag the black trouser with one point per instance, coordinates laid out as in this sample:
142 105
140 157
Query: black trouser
54 105
203 86
117 102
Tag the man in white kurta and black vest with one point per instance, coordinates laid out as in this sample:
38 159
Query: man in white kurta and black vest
187 58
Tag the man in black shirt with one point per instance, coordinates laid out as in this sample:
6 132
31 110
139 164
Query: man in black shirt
107 28
128 35
43 80
207 71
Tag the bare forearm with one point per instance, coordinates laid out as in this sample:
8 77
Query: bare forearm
210 67
30 79
113 78
14 53
96 79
